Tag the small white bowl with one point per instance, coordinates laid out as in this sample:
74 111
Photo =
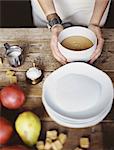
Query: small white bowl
71 55
34 75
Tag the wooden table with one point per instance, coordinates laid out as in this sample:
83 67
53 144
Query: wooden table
35 43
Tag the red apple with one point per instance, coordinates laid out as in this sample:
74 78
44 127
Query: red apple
16 147
6 130
12 96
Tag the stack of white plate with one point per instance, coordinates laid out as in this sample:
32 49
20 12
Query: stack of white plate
77 95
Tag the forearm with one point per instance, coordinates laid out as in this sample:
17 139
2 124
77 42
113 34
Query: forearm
99 9
47 6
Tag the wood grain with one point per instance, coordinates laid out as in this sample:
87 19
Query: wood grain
35 43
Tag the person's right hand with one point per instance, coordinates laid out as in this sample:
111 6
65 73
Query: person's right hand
54 44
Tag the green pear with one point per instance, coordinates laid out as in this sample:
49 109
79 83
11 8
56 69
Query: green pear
28 126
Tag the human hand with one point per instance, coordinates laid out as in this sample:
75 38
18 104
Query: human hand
100 43
54 44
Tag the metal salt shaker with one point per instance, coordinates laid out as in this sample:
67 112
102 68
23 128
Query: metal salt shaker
14 54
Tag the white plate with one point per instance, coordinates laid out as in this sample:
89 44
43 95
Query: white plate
78 90
75 124
76 121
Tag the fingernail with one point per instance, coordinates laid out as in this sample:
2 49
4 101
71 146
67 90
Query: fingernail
64 62
90 62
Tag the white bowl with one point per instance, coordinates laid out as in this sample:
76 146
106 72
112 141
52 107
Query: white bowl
83 55
78 92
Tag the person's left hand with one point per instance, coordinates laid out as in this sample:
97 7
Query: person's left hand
100 43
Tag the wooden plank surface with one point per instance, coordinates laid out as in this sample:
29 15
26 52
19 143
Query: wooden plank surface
35 43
